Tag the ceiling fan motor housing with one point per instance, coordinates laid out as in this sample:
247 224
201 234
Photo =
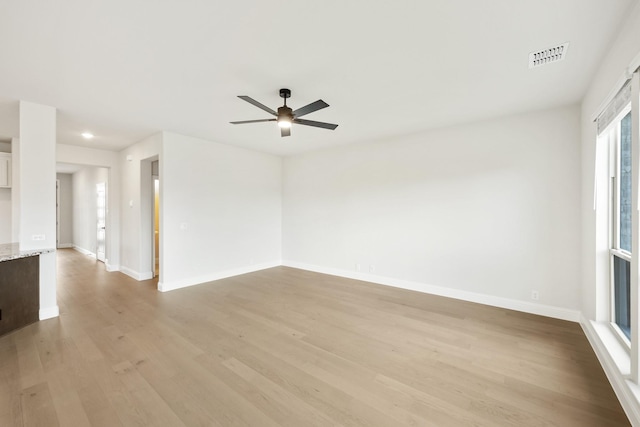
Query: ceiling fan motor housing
285 112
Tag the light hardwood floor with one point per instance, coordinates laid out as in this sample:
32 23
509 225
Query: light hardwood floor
290 347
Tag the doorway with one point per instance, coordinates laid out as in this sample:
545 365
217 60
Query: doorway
155 179
156 226
57 213
101 220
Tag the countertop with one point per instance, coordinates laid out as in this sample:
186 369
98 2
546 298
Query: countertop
9 251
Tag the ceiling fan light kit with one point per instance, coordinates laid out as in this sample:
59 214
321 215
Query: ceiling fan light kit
285 116
284 122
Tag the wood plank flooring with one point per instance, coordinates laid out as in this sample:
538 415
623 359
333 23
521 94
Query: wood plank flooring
286 347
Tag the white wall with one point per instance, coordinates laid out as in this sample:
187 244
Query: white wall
65 204
484 208
220 210
5 215
37 174
111 161
5 205
85 207
135 255
15 190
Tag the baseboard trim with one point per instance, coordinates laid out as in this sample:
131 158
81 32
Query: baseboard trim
65 245
511 304
626 391
49 312
112 267
84 251
139 276
183 283
146 275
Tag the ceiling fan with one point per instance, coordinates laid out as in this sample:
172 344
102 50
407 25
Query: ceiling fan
286 116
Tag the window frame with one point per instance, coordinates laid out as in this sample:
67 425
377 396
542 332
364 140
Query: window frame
613 133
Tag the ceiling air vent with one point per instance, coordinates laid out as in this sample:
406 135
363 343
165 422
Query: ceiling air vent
548 56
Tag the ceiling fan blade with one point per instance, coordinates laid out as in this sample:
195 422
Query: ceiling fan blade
314 106
285 131
258 104
316 124
252 121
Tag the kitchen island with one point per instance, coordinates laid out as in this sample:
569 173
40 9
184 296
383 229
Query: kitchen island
19 286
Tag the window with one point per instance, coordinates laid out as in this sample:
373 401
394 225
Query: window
621 224
617 221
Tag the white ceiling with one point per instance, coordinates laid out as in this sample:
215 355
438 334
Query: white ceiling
127 69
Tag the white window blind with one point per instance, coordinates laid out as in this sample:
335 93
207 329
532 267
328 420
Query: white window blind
615 107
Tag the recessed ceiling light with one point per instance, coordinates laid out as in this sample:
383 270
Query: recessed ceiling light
87 135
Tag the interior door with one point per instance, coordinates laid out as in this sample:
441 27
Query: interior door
101 223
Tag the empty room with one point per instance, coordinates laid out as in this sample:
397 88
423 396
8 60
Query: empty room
361 213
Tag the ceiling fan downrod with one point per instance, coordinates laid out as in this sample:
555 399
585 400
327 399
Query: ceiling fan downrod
285 93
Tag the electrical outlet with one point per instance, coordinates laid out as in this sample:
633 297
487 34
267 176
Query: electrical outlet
37 237
535 296
358 267
372 268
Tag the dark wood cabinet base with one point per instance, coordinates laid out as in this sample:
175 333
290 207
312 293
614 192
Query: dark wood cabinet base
19 293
